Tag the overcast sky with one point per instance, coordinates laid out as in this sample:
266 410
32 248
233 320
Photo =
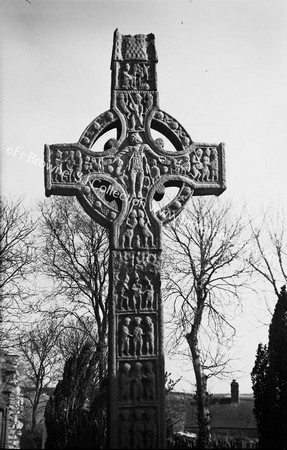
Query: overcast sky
222 74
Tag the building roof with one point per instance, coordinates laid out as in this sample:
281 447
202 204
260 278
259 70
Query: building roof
226 414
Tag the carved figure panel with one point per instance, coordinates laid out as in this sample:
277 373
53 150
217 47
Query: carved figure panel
137 232
135 106
137 336
137 381
138 428
136 290
123 261
204 164
135 295
126 426
134 76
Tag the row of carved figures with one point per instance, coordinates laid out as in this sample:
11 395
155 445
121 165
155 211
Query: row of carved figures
137 383
137 221
142 260
138 429
137 172
136 337
135 296
204 164
135 107
135 76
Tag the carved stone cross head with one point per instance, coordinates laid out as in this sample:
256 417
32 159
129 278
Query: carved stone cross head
125 180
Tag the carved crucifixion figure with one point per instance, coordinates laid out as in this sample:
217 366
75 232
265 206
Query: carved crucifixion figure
120 188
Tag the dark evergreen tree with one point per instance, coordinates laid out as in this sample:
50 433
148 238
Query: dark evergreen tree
261 391
75 415
269 380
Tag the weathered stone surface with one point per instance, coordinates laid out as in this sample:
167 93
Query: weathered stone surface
119 188
11 402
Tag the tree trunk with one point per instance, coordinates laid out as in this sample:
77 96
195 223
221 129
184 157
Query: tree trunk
203 415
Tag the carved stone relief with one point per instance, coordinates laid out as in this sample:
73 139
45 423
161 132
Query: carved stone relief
127 174
136 280
135 76
136 336
97 127
175 127
138 232
204 164
137 382
135 294
138 428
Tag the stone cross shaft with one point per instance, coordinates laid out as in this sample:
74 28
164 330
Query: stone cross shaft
121 188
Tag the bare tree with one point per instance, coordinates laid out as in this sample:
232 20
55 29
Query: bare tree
203 278
74 335
268 256
41 363
75 256
45 349
17 254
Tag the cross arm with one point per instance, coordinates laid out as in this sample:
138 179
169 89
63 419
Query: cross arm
72 169
198 170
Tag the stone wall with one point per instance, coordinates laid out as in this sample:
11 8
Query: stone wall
11 401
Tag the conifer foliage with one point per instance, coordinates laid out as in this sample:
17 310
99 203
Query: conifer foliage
269 380
75 415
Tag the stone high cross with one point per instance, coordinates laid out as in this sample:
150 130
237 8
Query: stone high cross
119 187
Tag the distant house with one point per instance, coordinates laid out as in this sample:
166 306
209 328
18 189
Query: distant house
177 405
231 415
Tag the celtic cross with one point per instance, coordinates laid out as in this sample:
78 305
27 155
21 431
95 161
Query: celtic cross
120 188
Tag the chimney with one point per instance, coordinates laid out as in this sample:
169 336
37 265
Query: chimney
234 392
